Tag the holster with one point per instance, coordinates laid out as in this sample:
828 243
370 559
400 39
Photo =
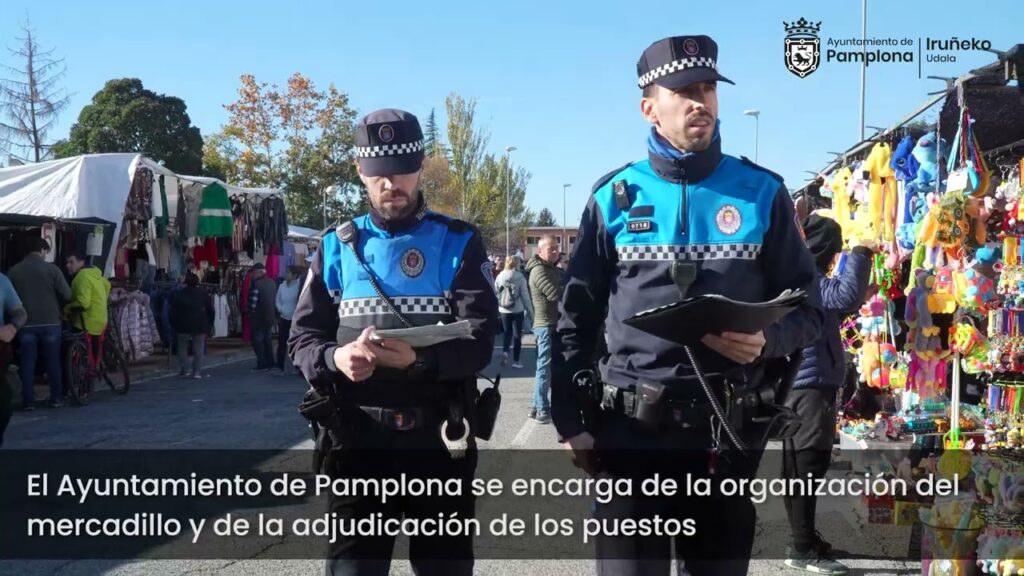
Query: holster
758 410
589 391
324 416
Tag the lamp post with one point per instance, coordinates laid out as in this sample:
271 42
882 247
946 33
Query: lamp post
508 202
329 190
565 233
756 114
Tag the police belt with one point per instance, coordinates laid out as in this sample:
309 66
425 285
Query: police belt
406 418
689 413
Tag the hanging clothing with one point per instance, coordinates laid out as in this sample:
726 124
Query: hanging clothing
215 218
136 324
222 311
139 205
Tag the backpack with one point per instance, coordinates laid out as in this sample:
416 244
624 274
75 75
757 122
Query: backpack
508 293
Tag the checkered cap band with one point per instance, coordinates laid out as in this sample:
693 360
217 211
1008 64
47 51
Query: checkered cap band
676 66
665 252
389 149
406 305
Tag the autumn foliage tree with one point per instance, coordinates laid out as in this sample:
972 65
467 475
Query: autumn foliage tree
298 138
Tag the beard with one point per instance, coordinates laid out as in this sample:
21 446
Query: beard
397 210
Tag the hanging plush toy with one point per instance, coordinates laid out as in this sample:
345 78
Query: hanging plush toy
903 163
927 156
881 197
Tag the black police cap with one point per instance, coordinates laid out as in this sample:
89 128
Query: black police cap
389 142
679 61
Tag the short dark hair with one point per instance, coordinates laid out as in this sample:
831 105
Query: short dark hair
649 90
296 270
77 256
191 280
38 244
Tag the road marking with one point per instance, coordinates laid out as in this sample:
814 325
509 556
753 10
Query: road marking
524 433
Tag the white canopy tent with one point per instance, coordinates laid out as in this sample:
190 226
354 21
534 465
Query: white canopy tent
302 233
93 186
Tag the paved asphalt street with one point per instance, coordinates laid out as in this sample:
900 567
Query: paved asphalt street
238 409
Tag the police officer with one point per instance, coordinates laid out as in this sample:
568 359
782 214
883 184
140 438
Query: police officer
400 410
686 220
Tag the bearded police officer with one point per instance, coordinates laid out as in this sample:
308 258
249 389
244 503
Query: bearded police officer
688 220
393 409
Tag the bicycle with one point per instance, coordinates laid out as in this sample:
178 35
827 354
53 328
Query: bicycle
83 368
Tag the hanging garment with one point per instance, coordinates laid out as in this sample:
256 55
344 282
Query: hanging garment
273 262
215 220
139 205
135 321
191 212
221 312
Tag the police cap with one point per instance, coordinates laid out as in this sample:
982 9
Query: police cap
389 142
679 61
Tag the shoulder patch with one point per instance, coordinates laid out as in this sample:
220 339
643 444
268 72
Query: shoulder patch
607 177
750 163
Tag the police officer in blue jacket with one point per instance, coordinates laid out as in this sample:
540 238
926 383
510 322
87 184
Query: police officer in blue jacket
686 220
401 410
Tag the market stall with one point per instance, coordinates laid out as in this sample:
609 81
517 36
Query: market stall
940 347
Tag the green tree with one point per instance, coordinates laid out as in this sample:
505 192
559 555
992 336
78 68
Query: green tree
126 117
31 101
545 218
298 138
432 136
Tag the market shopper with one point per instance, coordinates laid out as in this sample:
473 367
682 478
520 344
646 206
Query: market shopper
513 304
262 317
688 220
287 298
813 398
44 291
192 316
545 283
394 409
88 309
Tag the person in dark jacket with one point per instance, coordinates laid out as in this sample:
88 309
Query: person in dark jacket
813 396
262 317
192 316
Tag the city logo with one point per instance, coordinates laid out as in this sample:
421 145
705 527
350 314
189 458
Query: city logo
802 47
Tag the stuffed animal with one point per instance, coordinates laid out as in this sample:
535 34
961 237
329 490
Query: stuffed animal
927 155
903 163
923 336
881 203
1011 492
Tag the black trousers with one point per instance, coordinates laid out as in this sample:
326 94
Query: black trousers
375 451
6 402
810 452
284 328
724 526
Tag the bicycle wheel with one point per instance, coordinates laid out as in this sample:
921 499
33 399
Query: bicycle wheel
115 367
76 367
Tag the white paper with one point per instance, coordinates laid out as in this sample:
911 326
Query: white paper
423 336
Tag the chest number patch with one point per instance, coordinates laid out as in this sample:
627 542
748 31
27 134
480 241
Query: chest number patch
728 219
412 262
639 226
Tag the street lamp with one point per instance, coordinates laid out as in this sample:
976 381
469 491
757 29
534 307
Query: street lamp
756 114
329 190
565 234
508 202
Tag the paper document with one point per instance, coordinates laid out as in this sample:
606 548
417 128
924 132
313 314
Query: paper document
423 336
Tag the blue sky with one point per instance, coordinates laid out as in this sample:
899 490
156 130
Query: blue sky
555 79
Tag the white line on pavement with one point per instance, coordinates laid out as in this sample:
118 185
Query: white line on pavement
524 433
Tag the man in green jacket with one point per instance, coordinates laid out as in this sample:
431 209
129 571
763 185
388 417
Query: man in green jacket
89 293
546 285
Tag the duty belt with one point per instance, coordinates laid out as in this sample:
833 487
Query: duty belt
406 418
680 412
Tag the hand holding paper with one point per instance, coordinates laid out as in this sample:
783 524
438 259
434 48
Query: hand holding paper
423 336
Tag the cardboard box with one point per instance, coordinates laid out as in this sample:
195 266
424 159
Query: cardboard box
878 509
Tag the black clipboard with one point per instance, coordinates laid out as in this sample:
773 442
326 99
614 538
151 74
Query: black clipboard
687 321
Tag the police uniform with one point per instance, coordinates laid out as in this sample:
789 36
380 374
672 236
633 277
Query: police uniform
433 269
729 225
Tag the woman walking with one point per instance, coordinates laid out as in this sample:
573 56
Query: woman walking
513 303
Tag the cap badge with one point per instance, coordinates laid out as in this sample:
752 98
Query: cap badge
412 262
728 219
691 47
386 133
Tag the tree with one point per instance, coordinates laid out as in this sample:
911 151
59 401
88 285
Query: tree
126 117
300 139
432 136
545 218
31 102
